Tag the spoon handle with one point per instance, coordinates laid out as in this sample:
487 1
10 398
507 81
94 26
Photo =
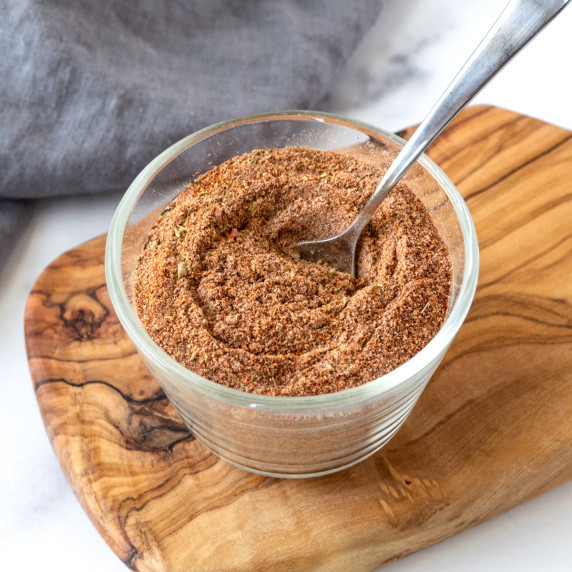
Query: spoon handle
518 23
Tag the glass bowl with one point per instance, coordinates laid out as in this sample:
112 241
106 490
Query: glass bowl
288 436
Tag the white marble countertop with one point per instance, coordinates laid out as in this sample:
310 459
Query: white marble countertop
404 64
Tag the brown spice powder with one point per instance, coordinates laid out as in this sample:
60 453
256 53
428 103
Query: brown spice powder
218 289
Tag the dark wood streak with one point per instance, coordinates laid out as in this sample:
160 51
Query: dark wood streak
523 342
492 154
445 420
524 165
131 505
127 398
500 302
130 560
47 293
463 118
87 360
146 427
527 262
470 115
532 214
445 159
265 483
483 348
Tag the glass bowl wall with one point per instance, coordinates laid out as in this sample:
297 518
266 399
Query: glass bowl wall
288 436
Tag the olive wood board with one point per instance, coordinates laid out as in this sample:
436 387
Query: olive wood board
492 430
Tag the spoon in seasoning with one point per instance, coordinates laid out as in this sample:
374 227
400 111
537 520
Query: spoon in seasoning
518 23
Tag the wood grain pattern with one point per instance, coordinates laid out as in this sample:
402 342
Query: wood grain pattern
492 430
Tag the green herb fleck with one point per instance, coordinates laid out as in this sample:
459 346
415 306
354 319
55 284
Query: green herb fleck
181 270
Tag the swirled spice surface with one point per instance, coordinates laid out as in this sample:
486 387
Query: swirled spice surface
217 288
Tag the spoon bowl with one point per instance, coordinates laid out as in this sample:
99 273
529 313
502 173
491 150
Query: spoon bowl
337 252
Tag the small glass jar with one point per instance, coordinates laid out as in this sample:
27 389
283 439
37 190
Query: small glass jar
288 436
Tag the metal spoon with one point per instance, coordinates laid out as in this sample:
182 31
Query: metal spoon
518 23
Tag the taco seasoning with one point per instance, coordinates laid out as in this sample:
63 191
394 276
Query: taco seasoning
217 287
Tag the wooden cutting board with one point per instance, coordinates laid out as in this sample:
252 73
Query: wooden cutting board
492 430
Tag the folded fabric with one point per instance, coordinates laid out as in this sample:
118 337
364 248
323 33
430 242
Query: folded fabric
91 91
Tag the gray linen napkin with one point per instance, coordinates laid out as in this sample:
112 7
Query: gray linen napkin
91 91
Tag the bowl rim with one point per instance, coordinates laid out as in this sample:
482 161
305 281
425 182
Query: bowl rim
158 358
